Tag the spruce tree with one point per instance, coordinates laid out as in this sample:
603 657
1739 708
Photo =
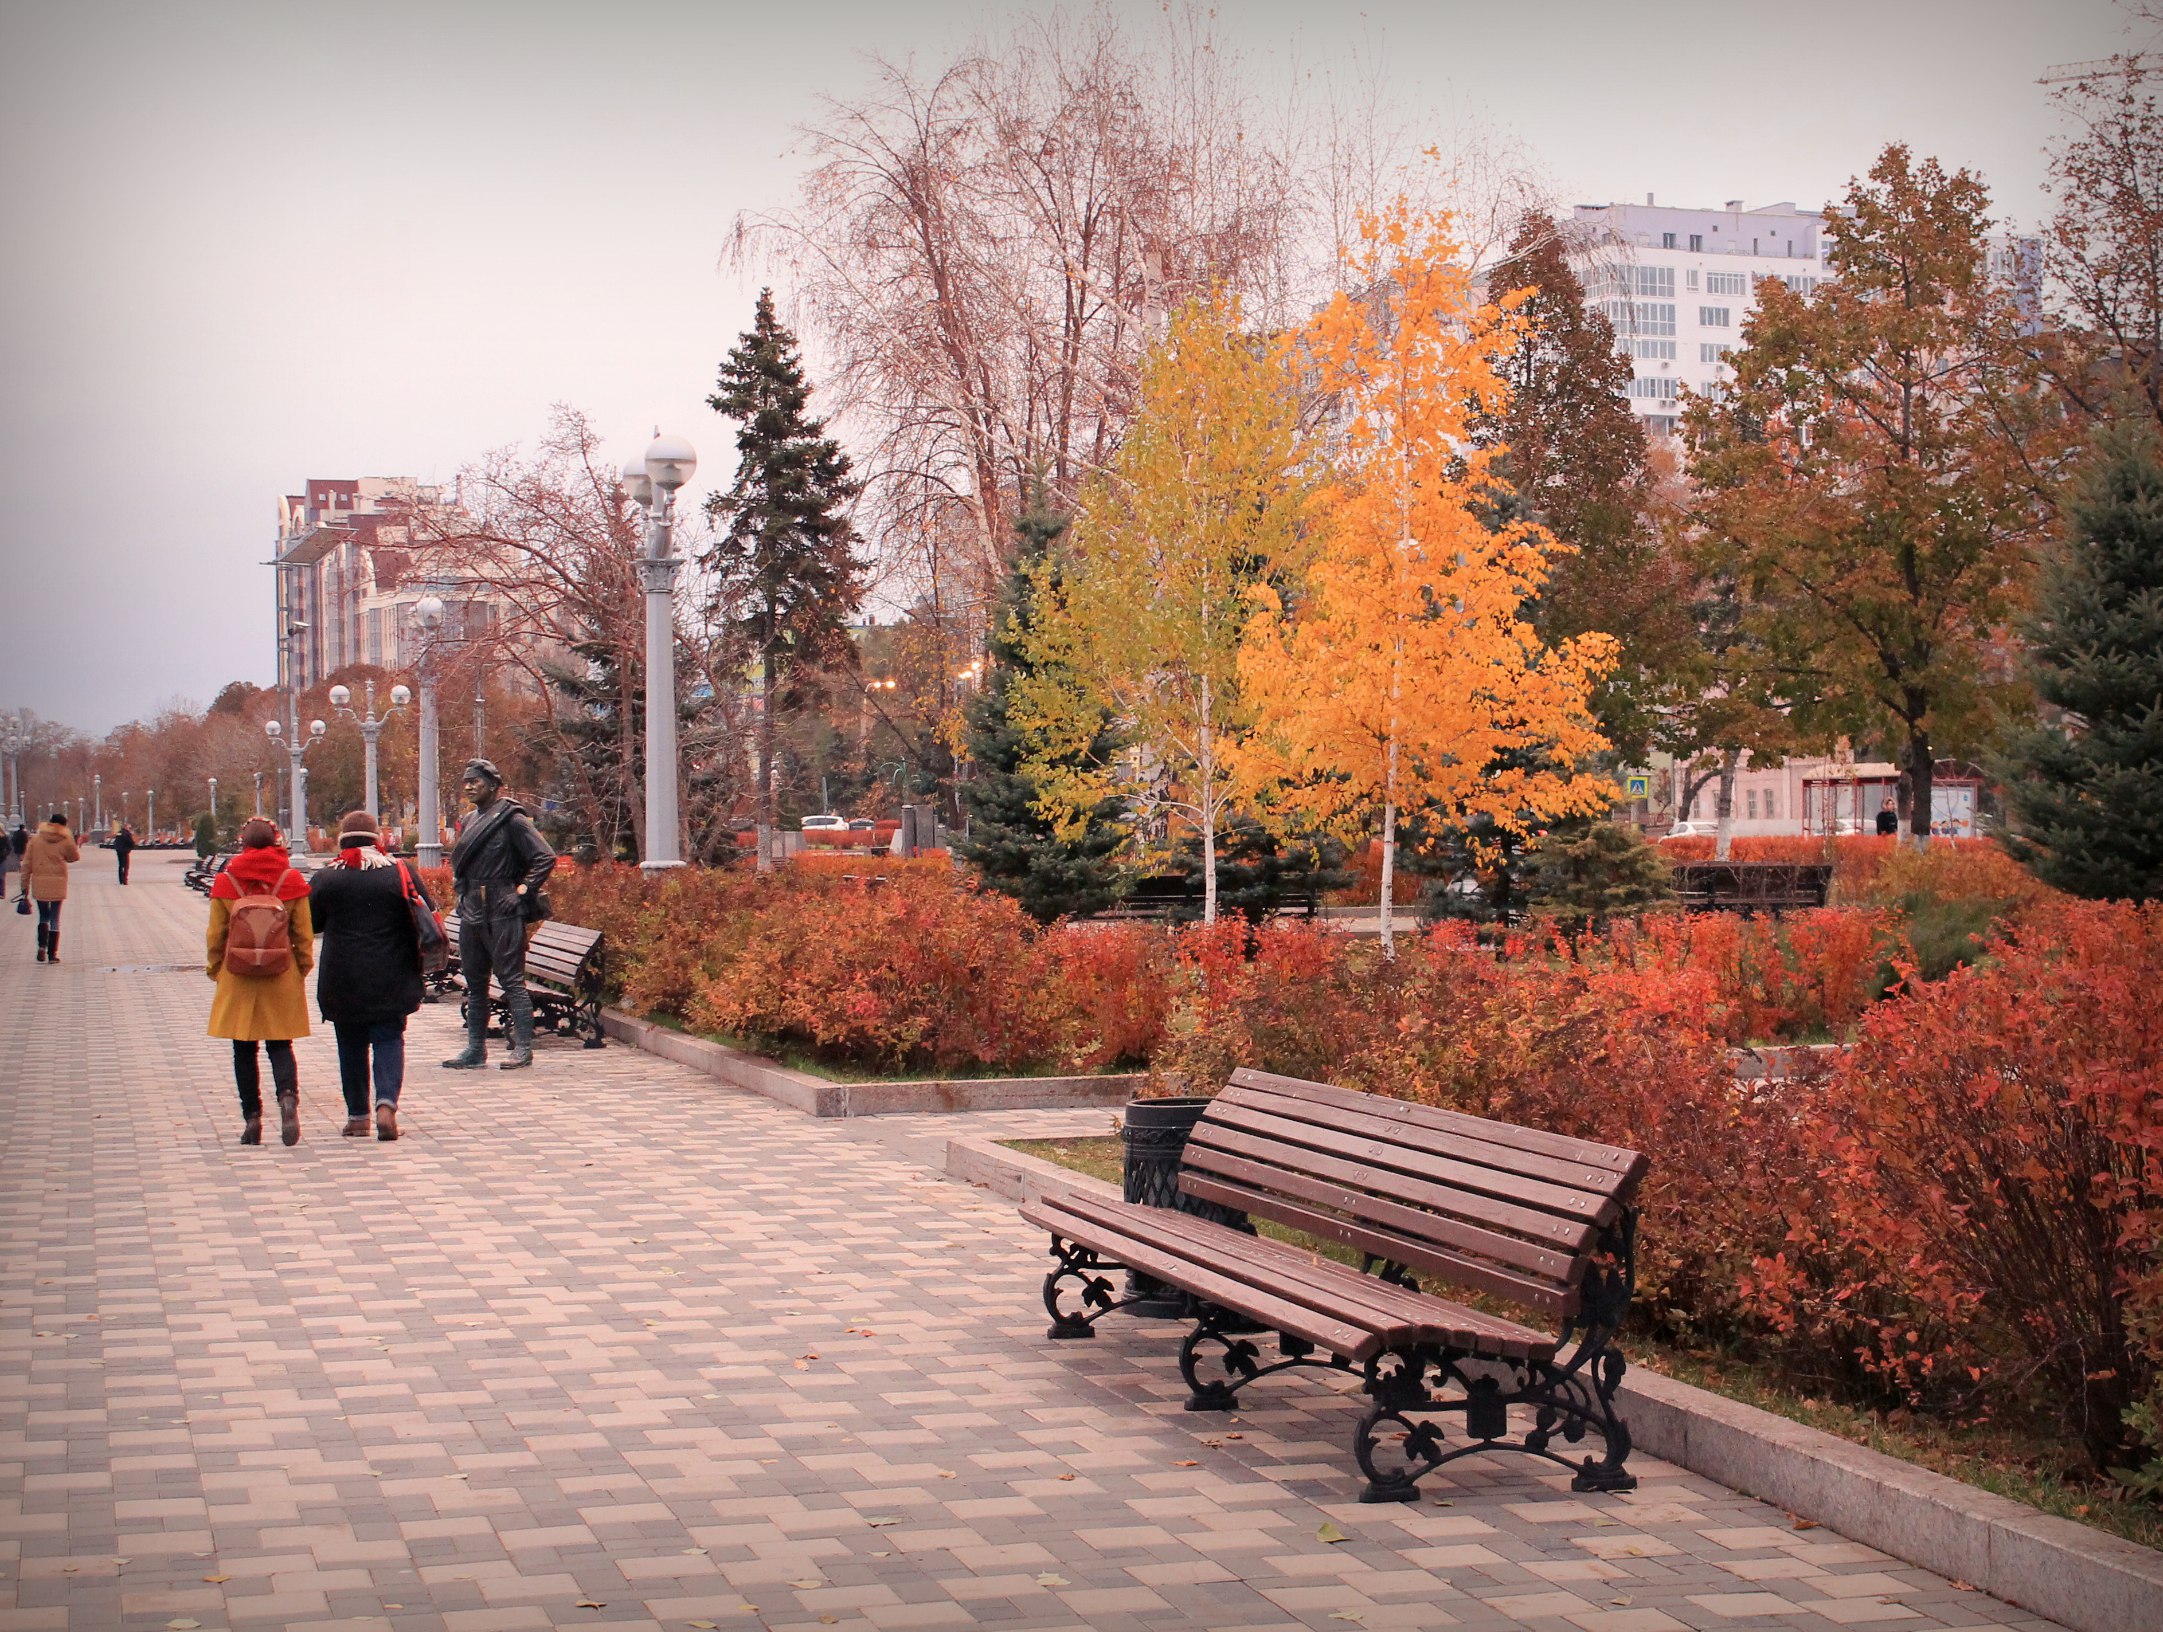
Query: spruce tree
588 786
786 574
1016 849
2085 796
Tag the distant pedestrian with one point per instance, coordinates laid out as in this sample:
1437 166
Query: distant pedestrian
10 860
260 947
498 866
123 848
371 975
1888 821
46 859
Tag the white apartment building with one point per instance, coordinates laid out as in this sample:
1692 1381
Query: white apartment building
345 553
1678 283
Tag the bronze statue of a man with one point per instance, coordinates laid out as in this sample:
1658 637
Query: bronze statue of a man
498 864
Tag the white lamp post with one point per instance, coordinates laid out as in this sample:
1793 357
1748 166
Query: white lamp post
97 800
371 727
652 483
428 613
11 765
296 746
150 822
213 808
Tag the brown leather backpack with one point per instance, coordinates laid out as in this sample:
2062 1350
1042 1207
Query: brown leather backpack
258 935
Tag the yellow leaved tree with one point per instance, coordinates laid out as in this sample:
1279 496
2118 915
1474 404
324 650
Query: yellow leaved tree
1402 675
1141 621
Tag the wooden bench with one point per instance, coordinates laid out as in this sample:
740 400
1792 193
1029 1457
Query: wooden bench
1533 1218
564 974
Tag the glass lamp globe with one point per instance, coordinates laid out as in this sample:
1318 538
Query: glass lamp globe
340 696
636 483
316 728
400 696
429 611
670 460
273 730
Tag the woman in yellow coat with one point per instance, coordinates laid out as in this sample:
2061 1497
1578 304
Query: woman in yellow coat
45 880
252 1009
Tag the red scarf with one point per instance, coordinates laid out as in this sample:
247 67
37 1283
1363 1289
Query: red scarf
269 867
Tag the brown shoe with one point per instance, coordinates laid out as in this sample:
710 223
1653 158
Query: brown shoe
289 1119
251 1131
386 1122
356 1127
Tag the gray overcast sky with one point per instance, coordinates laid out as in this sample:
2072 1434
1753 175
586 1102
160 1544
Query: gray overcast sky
246 244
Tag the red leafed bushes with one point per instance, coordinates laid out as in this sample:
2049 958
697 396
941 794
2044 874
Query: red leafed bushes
892 966
1983 1213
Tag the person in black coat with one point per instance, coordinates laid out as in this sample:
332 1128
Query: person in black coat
123 847
369 975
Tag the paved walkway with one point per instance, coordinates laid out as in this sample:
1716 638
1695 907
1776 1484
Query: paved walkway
605 1344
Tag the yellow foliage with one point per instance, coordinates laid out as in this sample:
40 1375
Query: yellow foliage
1404 675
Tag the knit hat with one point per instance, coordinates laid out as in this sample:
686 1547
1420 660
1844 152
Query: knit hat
357 829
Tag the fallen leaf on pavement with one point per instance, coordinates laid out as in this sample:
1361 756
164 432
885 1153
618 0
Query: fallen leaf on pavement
1330 1533
1049 1580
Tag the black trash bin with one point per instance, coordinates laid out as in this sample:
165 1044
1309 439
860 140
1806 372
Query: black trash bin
1154 1134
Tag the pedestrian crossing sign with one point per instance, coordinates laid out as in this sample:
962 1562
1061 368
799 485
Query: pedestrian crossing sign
1640 787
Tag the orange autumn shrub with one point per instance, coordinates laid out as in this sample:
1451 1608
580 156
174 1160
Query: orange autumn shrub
1115 978
1985 1210
915 974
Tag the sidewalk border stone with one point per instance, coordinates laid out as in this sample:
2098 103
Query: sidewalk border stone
820 1097
2081 1577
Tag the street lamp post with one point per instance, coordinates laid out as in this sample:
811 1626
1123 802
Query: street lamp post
428 613
97 806
296 746
652 483
258 777
371 727
213 808
11 767
150 822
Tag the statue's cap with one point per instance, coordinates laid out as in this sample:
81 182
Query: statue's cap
484 767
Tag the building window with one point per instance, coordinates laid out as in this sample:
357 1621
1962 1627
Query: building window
1690 279
1659 387
1659 424
1727 283
1667 240
1713 351
1657 350
375 636
1772 805
1801 285
1715 317
1751 801
1655 282
1697 243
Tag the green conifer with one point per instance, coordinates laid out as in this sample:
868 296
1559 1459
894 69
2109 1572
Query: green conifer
2085 794
1008 841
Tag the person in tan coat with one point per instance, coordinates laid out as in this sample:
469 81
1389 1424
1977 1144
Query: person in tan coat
270 1010
46 859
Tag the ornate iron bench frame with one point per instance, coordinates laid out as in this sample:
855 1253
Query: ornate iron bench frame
1476 1371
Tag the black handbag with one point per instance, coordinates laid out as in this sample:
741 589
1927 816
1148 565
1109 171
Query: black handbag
427 930
22 905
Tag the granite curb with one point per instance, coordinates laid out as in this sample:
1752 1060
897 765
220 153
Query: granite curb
825 1098
2089 1581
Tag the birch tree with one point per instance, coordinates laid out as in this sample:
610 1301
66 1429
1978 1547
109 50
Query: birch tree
1405 674
1198 510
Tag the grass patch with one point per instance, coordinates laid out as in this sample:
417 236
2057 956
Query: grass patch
2020 1461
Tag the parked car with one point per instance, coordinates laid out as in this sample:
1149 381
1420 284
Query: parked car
1691 830
824 823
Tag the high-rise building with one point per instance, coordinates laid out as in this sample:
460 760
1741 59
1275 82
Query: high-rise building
1677 284
348 573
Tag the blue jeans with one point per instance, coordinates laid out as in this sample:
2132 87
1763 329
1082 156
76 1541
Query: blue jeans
387 1040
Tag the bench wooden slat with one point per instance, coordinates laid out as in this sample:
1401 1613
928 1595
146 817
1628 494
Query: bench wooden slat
1460 1270
1601 1182
1397 1314
1540 1241
1386 1152
1281 1315
1628 1162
